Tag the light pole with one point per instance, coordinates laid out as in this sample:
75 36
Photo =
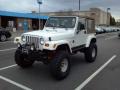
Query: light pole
107 16
79 5
39 2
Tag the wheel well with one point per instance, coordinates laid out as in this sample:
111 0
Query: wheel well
3 33
93 40
64 47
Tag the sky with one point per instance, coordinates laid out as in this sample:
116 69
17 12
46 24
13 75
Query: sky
26 6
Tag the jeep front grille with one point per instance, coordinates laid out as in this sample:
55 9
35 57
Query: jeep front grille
33 40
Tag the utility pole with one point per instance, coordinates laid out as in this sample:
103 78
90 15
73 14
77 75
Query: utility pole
79 5
107 16
39 2
79 8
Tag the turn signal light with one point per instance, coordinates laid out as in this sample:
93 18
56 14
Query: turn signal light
47 45
54 45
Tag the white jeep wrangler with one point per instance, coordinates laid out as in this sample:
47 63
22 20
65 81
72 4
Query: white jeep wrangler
62 36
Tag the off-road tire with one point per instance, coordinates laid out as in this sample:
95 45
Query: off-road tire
89 51
3 38
22 60
55 65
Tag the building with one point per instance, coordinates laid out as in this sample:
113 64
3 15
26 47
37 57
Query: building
30 21
21 21
101 17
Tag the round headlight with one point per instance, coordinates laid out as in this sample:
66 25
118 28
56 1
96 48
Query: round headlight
41 41
23 38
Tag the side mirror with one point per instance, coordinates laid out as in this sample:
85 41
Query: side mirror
80 27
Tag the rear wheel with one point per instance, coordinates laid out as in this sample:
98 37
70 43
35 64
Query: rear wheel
91 52
60 65
3 38
23 60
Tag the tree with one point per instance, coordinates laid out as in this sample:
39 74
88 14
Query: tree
112 21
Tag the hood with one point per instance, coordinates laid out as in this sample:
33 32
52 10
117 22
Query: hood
55 34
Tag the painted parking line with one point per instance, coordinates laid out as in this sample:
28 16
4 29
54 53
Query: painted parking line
11 66
81 86
111 37
11 81
7 49
15 83
7 42
101 35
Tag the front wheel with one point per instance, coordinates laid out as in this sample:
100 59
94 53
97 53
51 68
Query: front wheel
91 52
60 65
22 60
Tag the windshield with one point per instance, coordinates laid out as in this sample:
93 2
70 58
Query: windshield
61 22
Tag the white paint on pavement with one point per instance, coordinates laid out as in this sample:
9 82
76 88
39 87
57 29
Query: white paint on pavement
111 37
8 67
81 86
7 49
6 42
101 35
15 83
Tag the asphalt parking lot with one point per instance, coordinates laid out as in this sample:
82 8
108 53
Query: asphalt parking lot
104 74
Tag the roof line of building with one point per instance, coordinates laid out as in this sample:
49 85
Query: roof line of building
22 15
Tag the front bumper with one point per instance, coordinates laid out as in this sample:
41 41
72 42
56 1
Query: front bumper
30 51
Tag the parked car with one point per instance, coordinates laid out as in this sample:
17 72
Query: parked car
108 29
4 34
116 29
119 34
99 30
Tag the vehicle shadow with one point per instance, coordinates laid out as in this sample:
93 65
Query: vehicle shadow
42 72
